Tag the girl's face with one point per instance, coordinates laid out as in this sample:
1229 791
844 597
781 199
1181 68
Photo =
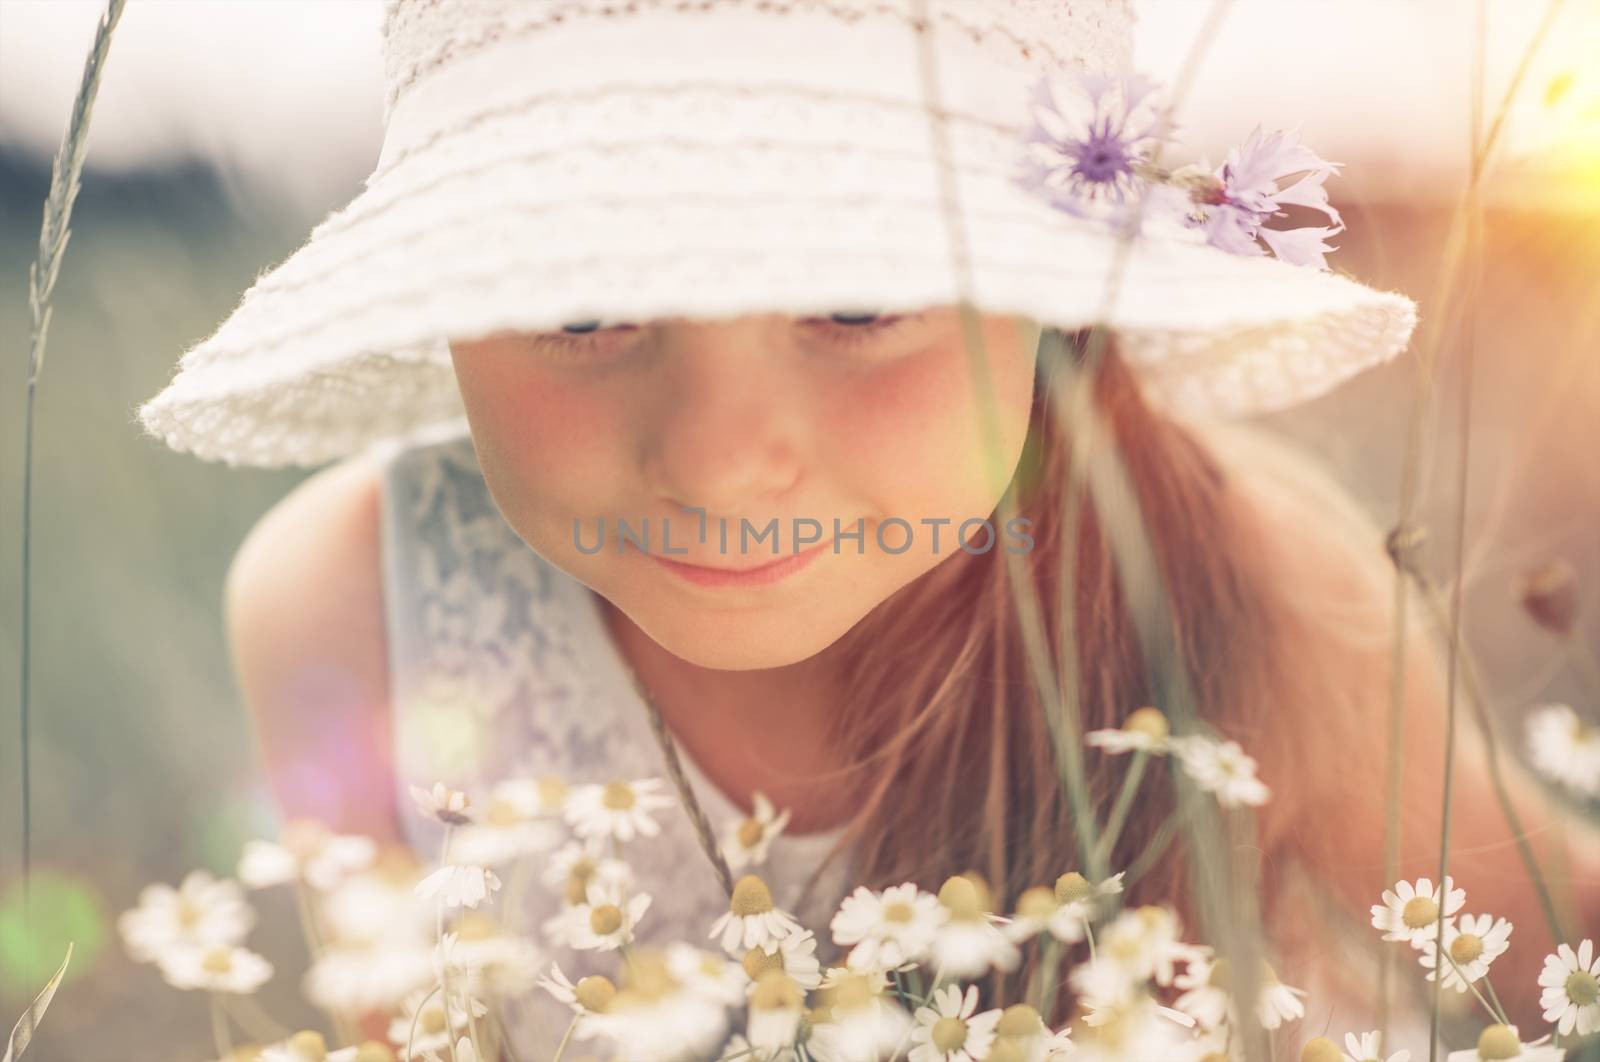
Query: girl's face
741 440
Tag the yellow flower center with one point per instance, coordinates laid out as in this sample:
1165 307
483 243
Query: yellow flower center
648 978
552 791
503 813
303 838
309 1042
1214 1056
1006 1051
1466 948
1019 1019
594 992
217 961
618 796
1498 1042
475 926
1419 911
577 889
1321 1049
776 990
1582 988
750 833
898 911
960 896
1147 721
432 1020
949 1034
374 1051
750 897
605 919
854 990
1072 887
189 913
1037 902
758 961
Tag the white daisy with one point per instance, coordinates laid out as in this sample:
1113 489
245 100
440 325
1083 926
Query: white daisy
443 804
1144 941
1409 912
1222 769
379 905
459 885
654 1017
752 921
489 962
603 922
740 1049
1472 942
794 954
745 841
712 975
1145 730
1564 748
621 810
421 1022
505 830
968 943
589 996
305 851
218 969
858 1021
1366 1048
576 865
950 1031
1571 982
308 1045
201 912
774 1011
1208 996
1133 1032
889 929
360 978
1500 1042
1024 1035
541 797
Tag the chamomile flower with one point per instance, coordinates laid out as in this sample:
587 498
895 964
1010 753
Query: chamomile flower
775 1008
968 943
443 804
576 865
1367 1046
1409 912
604 921
1064 911
1145 730
308 1045
1571 983
1021 1033
307 851
201 912
459 885
376 976
752 920
1208 996
620 810
589 996
1472 943
950 1030
1498 1043
795 954
1135 1031
1222 769
422 1023
224 968
508 828
715 977
745 841
855 1020
1565 749
740 1049
486 960
888 929
654 1017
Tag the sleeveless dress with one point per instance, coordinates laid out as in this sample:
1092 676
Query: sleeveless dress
500 666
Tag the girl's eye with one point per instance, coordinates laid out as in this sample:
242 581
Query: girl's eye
578 338
857 329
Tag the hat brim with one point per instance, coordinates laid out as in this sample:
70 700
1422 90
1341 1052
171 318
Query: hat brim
343 344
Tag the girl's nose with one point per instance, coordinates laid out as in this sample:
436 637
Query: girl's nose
725 430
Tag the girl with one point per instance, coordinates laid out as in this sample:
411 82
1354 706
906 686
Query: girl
698 268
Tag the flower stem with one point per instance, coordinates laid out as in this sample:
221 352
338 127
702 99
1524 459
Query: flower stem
1044 977
1119 811
411 1034
444 960
562 1046
905 1037
219 1027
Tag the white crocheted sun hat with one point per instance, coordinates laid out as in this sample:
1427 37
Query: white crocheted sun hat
564 161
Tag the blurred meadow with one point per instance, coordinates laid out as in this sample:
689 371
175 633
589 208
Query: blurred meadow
143 764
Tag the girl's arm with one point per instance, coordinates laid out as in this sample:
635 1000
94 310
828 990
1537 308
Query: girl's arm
304 612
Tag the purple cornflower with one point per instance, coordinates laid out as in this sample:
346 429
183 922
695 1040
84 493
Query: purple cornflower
1091 135
1234 203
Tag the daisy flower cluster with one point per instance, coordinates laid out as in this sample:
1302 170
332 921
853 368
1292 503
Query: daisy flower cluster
1425 916
1091 147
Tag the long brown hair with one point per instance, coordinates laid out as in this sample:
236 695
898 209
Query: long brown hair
952 758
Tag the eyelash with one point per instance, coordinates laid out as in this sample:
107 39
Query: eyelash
577 344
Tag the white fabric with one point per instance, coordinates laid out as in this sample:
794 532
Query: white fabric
500 666
713 159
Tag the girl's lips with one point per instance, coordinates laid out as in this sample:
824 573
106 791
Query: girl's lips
779 569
